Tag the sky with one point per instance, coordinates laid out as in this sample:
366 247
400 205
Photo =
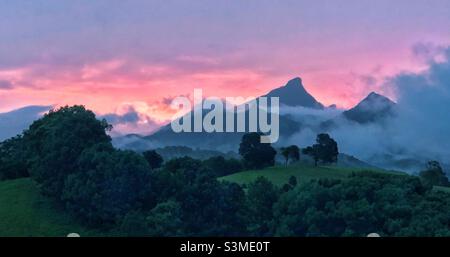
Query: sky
119 57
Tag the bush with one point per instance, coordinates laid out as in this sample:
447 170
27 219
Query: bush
153 158
13 162
391 205
261 196
165 219
208 207
434 175
223 167
111 184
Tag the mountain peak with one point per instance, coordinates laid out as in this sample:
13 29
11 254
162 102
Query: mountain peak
295 94
295 82
374 95
371 108
376 100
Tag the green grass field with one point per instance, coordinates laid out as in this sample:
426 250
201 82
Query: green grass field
280 175
23 212
442 189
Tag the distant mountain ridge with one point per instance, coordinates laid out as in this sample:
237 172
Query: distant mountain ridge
14 122
374 108
293 94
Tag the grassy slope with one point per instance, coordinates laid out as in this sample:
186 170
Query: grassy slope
280 175
23 212
442 189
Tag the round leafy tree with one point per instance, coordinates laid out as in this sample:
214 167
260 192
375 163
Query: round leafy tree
54 143
256 155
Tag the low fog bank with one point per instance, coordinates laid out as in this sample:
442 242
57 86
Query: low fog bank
419 132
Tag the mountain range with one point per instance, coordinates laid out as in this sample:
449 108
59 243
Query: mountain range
374 108
301 114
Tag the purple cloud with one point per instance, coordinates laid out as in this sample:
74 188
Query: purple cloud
5 84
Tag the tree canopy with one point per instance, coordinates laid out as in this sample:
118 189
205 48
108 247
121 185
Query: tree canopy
256 155
433 175
153 158
55 142
325 150
13 161
290 153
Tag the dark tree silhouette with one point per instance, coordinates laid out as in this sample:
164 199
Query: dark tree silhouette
12 159
313 151
55 142
328 148
153 158
293 181
325 150
256 155
290 153
434 175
